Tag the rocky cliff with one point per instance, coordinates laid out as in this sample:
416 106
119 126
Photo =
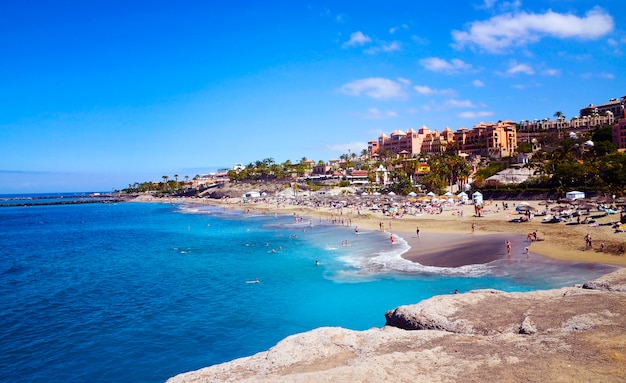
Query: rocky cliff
572 334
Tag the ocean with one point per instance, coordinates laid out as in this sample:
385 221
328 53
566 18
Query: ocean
110 292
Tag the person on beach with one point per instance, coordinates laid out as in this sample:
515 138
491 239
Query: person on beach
417 231
392 239
508 248
473 228
356 230
588 241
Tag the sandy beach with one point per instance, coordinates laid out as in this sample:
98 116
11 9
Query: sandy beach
446 238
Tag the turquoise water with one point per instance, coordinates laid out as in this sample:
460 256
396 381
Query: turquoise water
141 292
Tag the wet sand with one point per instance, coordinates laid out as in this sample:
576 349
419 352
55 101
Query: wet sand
455 250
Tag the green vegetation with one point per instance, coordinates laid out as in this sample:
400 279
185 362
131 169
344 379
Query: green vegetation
559 164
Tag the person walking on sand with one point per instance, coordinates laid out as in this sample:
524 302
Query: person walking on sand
417 231
473 228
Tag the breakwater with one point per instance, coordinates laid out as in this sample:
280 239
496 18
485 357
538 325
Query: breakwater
15 201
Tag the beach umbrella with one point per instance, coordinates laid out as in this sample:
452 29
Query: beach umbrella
448 194
430 194
558 208
391 193
412 194
586 205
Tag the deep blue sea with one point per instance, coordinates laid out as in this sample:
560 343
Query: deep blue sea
143 291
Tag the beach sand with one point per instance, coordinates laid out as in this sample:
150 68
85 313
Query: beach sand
446 239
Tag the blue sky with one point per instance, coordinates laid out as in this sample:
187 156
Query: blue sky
99 94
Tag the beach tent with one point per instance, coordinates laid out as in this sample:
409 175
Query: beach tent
252 194
463 196
575 194
477 198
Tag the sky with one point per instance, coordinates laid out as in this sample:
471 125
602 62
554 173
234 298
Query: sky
96 95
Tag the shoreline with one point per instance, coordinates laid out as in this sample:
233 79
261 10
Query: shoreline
454 226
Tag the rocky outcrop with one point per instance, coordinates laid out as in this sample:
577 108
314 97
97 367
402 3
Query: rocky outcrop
569 334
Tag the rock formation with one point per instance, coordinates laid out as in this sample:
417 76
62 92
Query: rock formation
572 334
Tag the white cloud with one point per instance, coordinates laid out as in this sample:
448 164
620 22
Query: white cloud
404 81
520 68
602 75
459 104
551 72
478 83
392 46
357 39
419 40
376 114
427 91
374 87
384 47
475 114
393 30
509 30
440 65
501 6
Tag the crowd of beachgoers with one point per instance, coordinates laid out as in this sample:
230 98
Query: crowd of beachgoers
557 222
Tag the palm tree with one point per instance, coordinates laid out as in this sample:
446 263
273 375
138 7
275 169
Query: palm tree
165 178
559 117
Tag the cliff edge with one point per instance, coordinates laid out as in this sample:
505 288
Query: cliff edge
569 334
